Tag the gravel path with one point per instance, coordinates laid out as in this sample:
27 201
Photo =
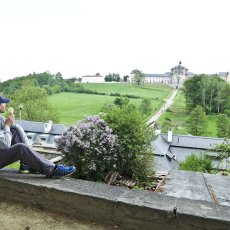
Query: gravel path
167 104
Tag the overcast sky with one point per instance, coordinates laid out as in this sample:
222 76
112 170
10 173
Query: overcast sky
82 37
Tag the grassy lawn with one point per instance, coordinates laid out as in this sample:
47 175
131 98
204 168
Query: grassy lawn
146 90
177 113
212 129
72 107
14 165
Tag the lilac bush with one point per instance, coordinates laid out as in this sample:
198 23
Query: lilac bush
91 146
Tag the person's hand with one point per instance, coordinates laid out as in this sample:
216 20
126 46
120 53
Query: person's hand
9 121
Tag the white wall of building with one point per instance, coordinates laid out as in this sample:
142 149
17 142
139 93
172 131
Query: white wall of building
93 79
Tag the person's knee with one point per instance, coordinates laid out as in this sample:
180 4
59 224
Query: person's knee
20 145
20 148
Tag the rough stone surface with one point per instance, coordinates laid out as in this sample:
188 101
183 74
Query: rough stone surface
198 186
219 187
107 204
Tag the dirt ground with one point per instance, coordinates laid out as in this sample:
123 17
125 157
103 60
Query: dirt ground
18 217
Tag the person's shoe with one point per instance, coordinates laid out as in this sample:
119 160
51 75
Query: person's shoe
62 170
26 169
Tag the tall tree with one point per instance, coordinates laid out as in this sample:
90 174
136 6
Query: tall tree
125 78
223 125
35 104
59 76
197 122
138 77
145 106
210 92
224 150
112 77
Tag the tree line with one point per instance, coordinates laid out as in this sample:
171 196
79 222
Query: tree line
31 92
207 95
209 92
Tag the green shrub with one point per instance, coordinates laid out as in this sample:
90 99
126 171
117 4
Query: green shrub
115 94
121 101
197 163
145 106
134 141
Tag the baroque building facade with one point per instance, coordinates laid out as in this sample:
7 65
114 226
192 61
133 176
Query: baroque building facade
177 76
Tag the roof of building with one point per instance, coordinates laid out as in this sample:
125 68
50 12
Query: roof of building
38 127
223 74
92 76
197 142
157 75
38 133
168 155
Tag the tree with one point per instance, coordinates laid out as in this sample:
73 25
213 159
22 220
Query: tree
197 163
35 104
125 78
134 141
224 149
197 122
145 106
224 152
29 83
223 125
112 77
58 76
209 92
121 101
138 77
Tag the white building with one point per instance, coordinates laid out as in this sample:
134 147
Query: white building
177 76
92 79
225 76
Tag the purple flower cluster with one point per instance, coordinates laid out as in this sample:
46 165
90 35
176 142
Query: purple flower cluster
89 144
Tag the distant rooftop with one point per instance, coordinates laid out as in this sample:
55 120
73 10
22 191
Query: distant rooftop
169 154
38 127
38 133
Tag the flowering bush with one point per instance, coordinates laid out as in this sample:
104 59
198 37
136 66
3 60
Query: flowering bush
91 147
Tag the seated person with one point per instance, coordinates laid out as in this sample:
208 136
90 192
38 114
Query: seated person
14 146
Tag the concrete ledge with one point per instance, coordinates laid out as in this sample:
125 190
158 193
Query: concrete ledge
103 203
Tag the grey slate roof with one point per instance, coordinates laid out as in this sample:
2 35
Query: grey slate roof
197 142
38 127
168 155
156 75
36 133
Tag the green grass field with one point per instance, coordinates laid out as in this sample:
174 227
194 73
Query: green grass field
72 107
147 90
177 113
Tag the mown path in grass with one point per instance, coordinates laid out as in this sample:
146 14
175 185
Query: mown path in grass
72 107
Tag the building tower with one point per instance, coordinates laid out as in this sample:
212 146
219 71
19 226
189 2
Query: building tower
178 75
